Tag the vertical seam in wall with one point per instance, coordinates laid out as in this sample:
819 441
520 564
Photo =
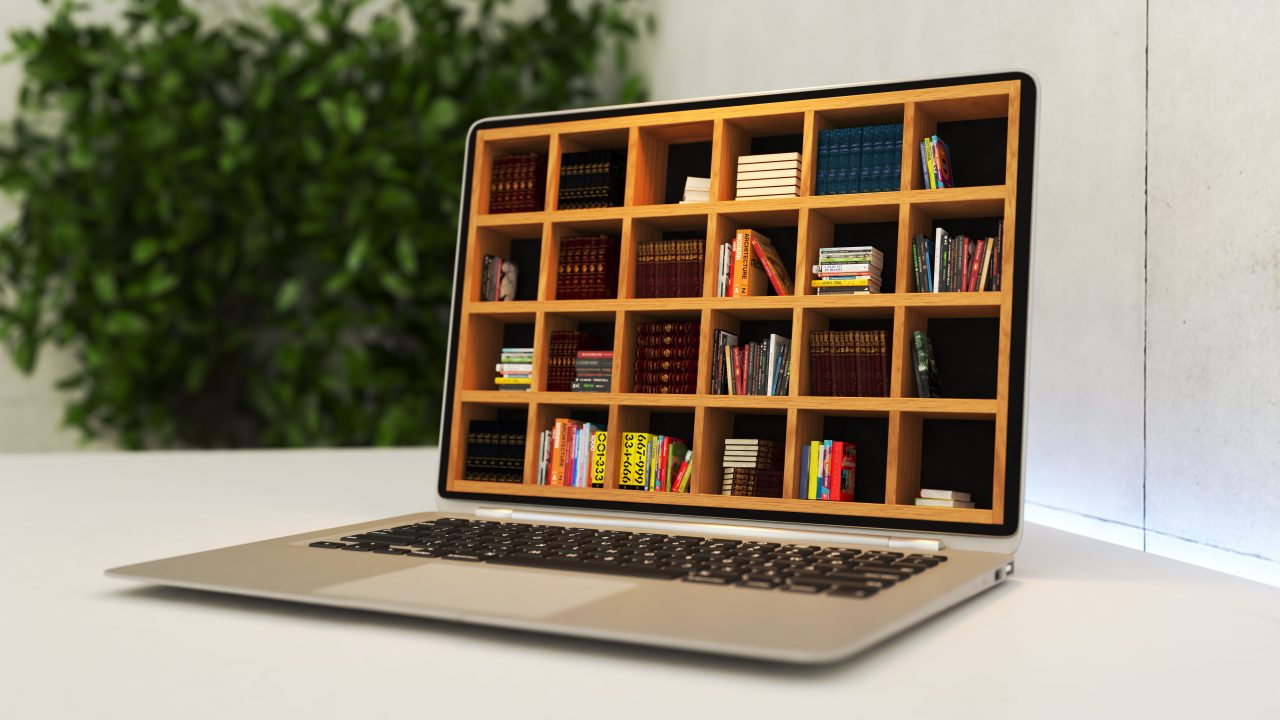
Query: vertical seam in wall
1146 213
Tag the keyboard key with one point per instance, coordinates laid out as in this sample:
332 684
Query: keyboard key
390 551
327 545
851 592
464 557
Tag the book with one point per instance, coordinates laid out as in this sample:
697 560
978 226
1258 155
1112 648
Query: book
494 451
769 158
518 183
669 268
932 502
788 190
859 159
751 175
933 494
749 278
925 365
774 268
849 363
592 179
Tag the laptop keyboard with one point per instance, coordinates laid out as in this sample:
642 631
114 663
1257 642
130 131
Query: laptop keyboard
812 569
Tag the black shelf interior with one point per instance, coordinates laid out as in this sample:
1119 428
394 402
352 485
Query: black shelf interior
526 253
977 150
685 160
959 455
883 236
871 434
966 351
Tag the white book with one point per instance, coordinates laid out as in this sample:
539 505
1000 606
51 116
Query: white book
697 183
937 253
756 167
768 182
945 494
701 195
776 345
758 193
764 174
828 252
770 157
753 442
844 268
934 502
514 367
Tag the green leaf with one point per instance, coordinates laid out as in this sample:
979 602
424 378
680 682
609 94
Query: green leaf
394 284
356 253
442 113
331 113
145 250
406 256
160 283
288 294
354 114
233 130
104 286
125 322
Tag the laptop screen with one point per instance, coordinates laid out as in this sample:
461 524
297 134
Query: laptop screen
804 306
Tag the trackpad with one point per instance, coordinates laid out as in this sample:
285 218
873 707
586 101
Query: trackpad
481 589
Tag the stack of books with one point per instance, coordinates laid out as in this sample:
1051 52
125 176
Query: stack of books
849 363
592 179
562 358
847 270
593 370
925 365
587 268
935 161
669 268
495 451
518 184
498 281
515 369
752 468
944 498
756 368
768 176
666 357
571 454
749 265
696 190
660 463
828 470
859 160
957 263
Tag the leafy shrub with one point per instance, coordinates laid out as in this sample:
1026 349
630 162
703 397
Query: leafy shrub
245 230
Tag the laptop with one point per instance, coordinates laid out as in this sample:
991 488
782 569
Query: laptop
783 555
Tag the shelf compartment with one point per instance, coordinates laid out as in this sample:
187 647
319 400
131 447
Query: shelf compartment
974 219
490 151
976 132
555 264
599 325
750 325
612 140
869 430
545 416
839 318
965 351
653 420
945 454
718 424
481 343
690 227
500 417
756 135
874 225
854 117
626 348
782 227
521 244
666 155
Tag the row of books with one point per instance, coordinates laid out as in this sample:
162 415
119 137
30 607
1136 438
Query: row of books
593 371
659 463
930 497
498 279
587 268
828 470
696 190
572 453
495 451
849 363
859 159
935 161
666 357
669 268
957 263
592 179
752 468
562 359
749 265
925 366
518 183
514 368
847 270
768 176
754 368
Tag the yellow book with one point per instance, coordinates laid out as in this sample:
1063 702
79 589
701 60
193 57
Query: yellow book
842 282
815 451
635 459
599 442
512 381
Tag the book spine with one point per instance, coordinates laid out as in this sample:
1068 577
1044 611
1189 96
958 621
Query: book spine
634 450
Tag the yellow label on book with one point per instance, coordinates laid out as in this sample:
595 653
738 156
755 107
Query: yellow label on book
842 282
635 457
599 441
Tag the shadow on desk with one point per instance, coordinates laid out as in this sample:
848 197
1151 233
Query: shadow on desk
546 641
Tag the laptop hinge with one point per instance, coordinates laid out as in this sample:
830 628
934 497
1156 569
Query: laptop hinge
715 528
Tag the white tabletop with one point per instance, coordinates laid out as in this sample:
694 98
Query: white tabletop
1084 629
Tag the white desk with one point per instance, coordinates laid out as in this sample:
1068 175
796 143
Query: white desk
1084 629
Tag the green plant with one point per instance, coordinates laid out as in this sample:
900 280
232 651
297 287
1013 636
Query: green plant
245 230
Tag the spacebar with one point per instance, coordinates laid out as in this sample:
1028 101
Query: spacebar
591 567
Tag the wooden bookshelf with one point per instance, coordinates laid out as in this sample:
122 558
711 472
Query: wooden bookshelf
902 427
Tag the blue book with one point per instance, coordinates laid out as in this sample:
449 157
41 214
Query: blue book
868 159
896 181
825 143
804 471
839 160
857 137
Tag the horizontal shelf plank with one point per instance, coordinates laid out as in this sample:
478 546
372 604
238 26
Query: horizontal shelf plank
952 408
946 202
911 512
954 304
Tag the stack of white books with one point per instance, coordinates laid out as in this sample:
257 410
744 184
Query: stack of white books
944 498
766 176
696 190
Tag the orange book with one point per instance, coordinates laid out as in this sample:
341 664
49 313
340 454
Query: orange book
749 279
